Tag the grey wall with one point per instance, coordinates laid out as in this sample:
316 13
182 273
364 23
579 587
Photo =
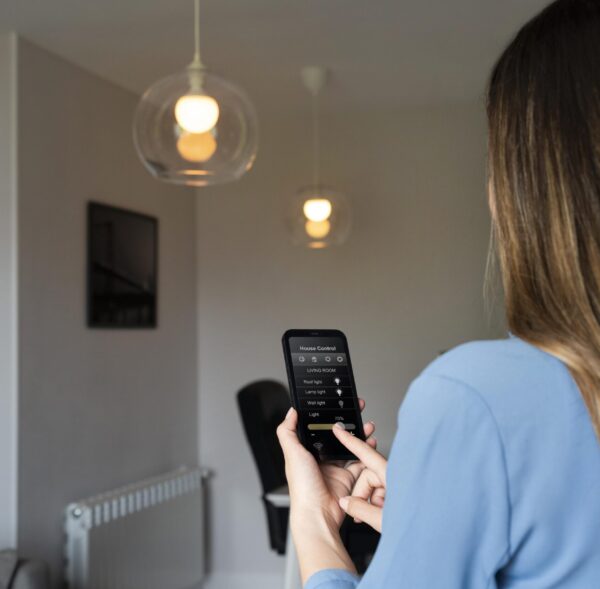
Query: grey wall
98 408
407 285
8 292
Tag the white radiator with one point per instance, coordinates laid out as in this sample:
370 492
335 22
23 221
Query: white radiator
149 535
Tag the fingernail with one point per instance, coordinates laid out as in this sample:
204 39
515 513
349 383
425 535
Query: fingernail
289 412
344 502
339 425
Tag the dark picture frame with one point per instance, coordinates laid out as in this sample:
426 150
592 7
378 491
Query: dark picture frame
122 268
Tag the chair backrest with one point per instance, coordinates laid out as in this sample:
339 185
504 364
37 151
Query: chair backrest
263 405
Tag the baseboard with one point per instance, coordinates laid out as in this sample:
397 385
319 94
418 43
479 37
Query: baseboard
243 581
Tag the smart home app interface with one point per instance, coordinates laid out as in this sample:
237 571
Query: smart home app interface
324 391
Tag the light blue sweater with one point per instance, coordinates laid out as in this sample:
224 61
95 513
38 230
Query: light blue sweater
493 480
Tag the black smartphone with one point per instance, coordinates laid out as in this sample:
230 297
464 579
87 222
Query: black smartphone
322 389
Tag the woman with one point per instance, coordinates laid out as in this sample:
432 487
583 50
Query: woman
494 475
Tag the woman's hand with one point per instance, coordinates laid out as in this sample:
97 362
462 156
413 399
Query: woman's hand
317 488
365 502
315 494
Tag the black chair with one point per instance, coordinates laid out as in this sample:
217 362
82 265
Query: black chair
263 405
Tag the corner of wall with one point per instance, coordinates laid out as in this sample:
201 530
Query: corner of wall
8 288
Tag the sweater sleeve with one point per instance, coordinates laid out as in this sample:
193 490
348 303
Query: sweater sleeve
447 510
332 579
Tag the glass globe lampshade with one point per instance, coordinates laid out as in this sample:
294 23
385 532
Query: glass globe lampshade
196 128
318 218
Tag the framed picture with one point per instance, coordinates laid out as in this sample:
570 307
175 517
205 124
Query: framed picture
122 268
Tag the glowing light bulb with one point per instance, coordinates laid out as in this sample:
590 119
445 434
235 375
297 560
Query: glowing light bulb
196 113
317 229
317 209
196 147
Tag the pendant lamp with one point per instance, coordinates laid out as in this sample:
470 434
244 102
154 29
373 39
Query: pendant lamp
195 127
318 216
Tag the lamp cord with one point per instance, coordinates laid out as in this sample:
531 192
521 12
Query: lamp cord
316 141
197 61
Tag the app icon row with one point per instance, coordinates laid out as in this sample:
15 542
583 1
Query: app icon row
334 358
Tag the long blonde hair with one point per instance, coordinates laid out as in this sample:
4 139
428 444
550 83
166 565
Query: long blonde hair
544 161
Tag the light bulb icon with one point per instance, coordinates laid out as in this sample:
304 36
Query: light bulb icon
341 403
337 381
339 392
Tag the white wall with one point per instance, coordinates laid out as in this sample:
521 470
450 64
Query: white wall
407 285
98 408
8 292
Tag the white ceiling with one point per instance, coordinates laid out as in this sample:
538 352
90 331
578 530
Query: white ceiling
381 52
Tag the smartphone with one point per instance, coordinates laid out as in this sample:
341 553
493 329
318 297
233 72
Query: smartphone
322 389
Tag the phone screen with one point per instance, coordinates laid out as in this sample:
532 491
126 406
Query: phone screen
322 389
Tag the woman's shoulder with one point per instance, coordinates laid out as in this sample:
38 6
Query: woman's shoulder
502 372
488 356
